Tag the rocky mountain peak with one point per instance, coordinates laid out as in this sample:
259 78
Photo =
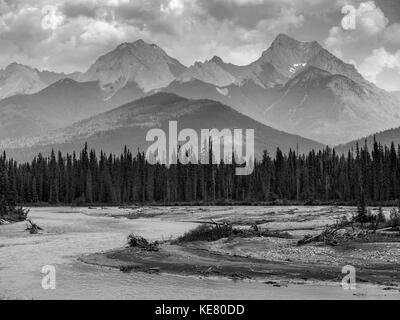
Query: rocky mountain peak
145 64
290 57
217 60
140 42
15 66
283 39
211 71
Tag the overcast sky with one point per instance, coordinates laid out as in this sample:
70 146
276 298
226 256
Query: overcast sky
68 35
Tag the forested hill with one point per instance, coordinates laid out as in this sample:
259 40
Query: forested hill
89 178
384 138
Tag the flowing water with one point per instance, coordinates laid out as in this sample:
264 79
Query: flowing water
69 233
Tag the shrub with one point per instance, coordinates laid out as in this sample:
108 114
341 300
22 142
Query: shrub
363 216
366 217
207 232
394 218
381 216
142 243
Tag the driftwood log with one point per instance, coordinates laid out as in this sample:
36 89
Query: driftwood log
328 235
32 227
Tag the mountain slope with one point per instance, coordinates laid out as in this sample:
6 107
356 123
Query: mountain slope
18 79
386 137
60 104
56 106
247 98
219 73
290 56
129 124
264 74
331 108
297 87
210 72
315 104
139 62
234 70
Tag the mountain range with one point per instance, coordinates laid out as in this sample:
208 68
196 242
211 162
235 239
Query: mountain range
301 88
18 79
128 125
56 106
295 87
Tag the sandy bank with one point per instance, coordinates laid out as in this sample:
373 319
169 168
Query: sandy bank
259 259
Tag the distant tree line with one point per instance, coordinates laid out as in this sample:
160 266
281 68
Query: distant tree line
88 178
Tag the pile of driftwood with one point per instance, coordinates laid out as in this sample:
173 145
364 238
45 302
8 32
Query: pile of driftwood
328 236
347 230
12 215
33 228
142 243
213 231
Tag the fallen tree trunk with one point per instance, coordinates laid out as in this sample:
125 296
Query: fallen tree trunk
384 229
32 227
327 235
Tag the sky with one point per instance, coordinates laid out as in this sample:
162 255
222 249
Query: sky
69 35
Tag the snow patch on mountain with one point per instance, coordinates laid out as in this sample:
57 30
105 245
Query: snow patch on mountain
223 91
296 67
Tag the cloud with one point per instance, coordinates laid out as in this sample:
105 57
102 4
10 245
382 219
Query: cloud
74 33
370 19
335 41
23 27
52 18
392 34
173 7
97 32
76 9
359 23
52 34
370 25
250 13
288 19
364 39
377 62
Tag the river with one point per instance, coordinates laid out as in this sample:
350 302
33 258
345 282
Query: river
71 232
